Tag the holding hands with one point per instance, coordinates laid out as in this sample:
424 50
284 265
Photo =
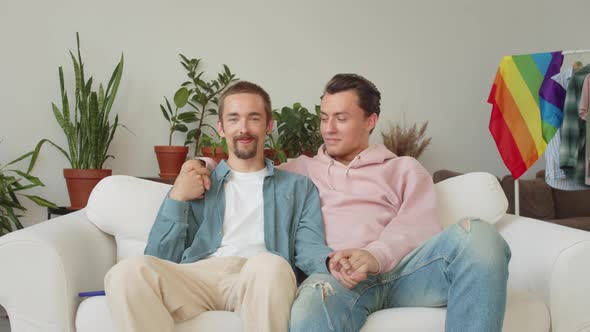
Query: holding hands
351 266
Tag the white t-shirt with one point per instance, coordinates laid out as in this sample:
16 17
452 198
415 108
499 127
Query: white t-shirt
243 220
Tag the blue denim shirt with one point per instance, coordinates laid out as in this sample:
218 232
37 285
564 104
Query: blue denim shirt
185 232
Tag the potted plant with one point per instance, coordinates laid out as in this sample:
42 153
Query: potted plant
406 141
89 130
273 150
298 130
203 99
171 157
12 184
215 149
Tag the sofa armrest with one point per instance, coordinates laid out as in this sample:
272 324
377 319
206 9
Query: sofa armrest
45 266
551 261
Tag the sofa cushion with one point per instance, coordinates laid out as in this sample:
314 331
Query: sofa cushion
475 194
569 204
93 316
126 207
524 312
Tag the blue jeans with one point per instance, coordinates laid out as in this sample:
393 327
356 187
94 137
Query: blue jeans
465 267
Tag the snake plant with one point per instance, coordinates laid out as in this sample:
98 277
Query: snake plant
88 130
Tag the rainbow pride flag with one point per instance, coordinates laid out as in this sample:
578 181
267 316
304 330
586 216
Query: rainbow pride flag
516 122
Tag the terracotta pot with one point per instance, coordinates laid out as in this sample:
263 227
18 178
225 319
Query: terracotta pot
170 159
207 151
271 154
309 153
80 183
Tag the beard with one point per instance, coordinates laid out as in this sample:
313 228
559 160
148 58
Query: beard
245 152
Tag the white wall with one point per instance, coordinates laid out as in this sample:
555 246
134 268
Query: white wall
433 60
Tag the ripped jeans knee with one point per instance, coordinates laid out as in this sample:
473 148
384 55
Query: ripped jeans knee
314 309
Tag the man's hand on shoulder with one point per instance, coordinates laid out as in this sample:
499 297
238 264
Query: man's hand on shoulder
192 182
351 266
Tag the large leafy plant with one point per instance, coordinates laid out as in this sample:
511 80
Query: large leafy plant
13 182
203 98
298 130
88 130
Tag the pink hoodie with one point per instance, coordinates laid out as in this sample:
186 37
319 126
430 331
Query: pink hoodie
378 202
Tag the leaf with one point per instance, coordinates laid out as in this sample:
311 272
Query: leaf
184 58
21 188
185 66
20 158
33 179
181 97
164 113
14 219
41 201
202 84
191 134
180 127
56 146
187 117
168 104
206 125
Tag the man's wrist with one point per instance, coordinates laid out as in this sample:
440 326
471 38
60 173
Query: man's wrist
175 196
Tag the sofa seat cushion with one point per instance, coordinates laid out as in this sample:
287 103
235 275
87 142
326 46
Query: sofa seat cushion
93 316
524 313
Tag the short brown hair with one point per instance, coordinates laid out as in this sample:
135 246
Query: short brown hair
246 87
369 96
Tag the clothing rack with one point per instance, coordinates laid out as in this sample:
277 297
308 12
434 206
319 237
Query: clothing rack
516 185
574 52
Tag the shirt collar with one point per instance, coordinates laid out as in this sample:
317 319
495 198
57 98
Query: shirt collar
222 170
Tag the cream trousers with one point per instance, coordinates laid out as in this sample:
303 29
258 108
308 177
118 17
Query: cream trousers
146 293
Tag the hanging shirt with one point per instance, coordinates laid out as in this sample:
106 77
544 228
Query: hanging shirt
243 220
584 105
572 151
564 76
584 98
554 175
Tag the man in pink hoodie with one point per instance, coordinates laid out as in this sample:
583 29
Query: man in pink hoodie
380 217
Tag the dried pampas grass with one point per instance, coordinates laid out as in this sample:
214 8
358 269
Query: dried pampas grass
406 141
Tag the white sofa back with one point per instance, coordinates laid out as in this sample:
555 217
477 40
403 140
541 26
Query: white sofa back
126 207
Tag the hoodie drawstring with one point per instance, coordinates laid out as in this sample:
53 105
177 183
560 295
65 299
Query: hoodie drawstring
329 177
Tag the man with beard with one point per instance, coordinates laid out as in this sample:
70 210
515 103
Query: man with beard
236 247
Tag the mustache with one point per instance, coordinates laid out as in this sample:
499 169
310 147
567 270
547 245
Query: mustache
245 136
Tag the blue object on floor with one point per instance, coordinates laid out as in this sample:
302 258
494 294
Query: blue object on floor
89 294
